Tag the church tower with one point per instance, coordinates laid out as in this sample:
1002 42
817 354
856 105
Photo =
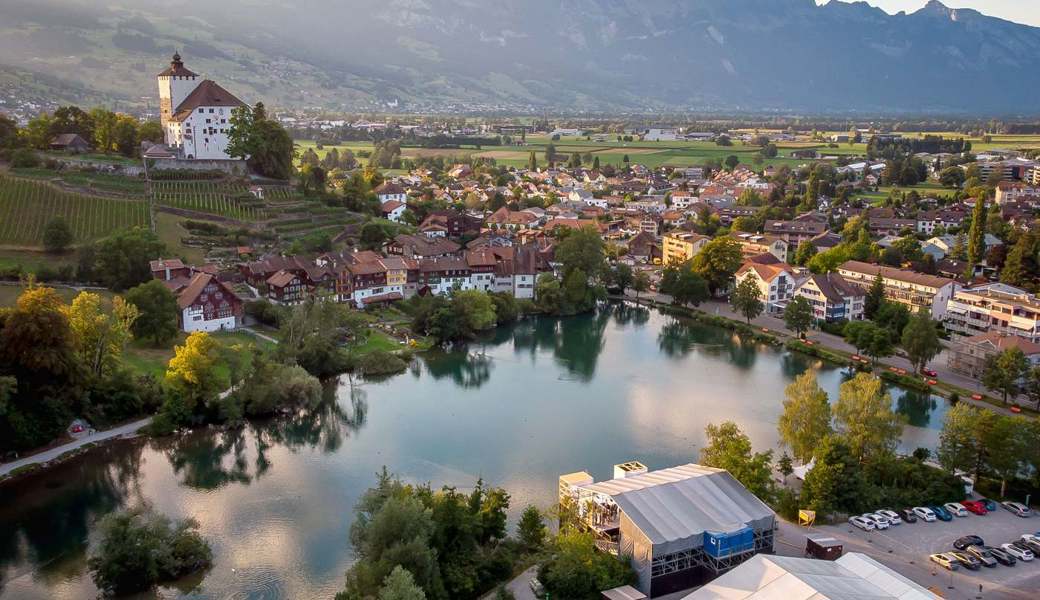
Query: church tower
175 83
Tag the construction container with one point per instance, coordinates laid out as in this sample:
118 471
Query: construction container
725 544
823 548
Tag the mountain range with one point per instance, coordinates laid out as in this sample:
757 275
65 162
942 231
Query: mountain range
533 55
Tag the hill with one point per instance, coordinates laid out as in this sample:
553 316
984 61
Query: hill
578 55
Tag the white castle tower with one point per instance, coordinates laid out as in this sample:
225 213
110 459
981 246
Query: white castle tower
175 84
194 113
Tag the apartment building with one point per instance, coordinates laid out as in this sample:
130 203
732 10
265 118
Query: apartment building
753 244
910 288
994 307
680 247
775 280
832 297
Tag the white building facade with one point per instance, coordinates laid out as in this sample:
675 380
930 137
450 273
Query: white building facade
195 113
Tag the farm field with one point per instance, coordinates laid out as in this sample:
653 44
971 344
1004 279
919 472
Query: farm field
26 206
168 228
223 199
102 183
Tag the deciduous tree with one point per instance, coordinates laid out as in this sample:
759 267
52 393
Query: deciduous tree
746 299
729 448
1004 371
921 340
864 417
157 312
806 419
798 316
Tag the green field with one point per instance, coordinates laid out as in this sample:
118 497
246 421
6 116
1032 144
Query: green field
26 206
102 183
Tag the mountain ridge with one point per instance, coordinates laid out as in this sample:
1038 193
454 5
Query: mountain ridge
576 55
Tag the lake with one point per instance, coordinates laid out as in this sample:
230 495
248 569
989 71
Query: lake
519 408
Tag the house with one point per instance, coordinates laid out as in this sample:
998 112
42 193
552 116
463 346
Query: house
825 241
417 246
854 575
450 223
393 210
644 247
195 114
285 287
679 527
797 231
389 191
169 269
995 307
968 355
753 244
679 247
208 304
832 297
775 280
912 289
882 226
69 143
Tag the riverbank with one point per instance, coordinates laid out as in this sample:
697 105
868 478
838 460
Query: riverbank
834 349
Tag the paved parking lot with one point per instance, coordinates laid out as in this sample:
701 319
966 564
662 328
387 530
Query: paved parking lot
906 547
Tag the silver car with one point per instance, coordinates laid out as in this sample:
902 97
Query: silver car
861 523
1020 553
925 514
1017 508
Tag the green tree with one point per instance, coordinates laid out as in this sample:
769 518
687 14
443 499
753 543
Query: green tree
122 259
798 316
261 141
532 162
157 312
836 483
400 585
1004 371
641 284
577 570
139 548
476 309
875 297
99 336
921 340
806 250
977 233
746 299
717 262
193 378
621 277
57 235
531 529
727 447
1032 385
732 161
806 419
689 288
863 416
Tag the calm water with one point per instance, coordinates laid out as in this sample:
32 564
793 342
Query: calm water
531 402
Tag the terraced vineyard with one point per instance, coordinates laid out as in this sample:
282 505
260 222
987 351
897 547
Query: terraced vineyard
26 206
217 198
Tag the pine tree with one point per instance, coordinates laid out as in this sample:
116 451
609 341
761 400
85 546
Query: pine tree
977 233
875 297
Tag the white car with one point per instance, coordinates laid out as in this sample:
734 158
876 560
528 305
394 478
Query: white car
861 523
1020 553
956 509
878 521
893 518
925 514
1017 508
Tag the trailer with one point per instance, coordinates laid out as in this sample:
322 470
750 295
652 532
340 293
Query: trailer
823 548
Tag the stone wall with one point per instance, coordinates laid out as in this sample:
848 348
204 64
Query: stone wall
231 167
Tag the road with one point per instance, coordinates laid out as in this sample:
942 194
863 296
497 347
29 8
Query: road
520 586
52 453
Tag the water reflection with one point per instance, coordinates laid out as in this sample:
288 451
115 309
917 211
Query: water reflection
680 337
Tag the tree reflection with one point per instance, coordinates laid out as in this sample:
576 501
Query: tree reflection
630 314
208 460
45 519
467 368
916 406
580 342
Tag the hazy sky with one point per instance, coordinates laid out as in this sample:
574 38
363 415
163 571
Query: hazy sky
1021 11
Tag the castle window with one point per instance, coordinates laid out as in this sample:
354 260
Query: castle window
202 110
211 110
207 120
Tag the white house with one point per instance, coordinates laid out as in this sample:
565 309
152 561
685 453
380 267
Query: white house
832 297
391 192
775 280
195 114
393 210
208 304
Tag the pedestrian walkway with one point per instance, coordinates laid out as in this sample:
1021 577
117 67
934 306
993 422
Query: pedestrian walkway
52 453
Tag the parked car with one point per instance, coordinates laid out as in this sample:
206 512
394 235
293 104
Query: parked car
1002 556
925 514
891 515
1028 545
969 540
879 521
982 555
1022 554
975 507
929 372
989 504
1031 539
862 523
907 515
945 561
967 561
955 509
941 513
1017 508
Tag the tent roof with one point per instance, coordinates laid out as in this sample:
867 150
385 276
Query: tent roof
851 577
685 501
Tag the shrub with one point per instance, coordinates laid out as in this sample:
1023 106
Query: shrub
140 548
24 158
380 362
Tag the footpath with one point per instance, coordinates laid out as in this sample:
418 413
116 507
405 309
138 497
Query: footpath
93 438
833 342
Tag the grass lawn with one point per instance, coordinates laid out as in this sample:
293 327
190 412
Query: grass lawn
144 358
168 228
377 340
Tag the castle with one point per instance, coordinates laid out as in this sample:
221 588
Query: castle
195 113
